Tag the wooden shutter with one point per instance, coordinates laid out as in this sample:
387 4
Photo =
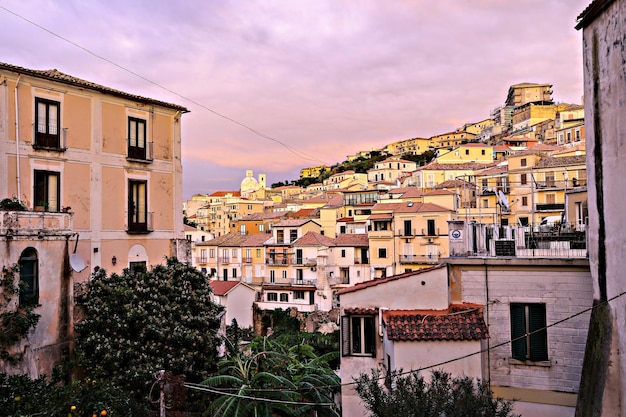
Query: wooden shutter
518 329
538 340
345 335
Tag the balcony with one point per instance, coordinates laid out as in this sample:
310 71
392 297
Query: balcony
51 142
247 260
224 261
278 261
564 241
273 305
141 154
139 225
31 224
201 260
550 207
419 259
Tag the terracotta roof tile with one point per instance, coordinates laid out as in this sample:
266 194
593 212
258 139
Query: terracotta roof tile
223 287
458 322
314 239
353 239
361 311
378 281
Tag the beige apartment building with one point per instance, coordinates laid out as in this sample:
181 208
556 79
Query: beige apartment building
99 173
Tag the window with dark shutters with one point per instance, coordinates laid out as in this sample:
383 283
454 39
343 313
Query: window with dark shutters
528 332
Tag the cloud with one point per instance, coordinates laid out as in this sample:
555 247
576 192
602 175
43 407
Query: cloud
324 78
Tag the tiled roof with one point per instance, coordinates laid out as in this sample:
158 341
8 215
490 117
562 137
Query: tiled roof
58 76
257 239
407 192
310 213
230 239
463 165
407 207
454 184
361 311
224 193
262 216
292 222
551 161
223 287
352 239
458 322
314 239
440 192
378 281
190 228
493 171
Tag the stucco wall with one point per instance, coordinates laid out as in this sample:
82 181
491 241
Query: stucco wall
565 291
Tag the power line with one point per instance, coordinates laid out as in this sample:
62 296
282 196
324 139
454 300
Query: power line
230 119
247 397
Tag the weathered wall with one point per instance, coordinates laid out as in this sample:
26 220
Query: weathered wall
604 56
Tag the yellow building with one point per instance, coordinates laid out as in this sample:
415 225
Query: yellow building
469 152
477 127
407 236
451 139
522 93
429 176
414 146
312 171
100 173
530 114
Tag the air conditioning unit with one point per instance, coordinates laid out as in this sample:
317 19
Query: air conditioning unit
430 240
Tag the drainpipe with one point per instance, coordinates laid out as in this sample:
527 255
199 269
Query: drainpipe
17 141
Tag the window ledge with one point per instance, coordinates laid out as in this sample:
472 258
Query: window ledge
544 364
138 232
139 160
48 148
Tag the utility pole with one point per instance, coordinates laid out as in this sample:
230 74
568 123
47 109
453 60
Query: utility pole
161 380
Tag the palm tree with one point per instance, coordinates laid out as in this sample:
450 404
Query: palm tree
272 380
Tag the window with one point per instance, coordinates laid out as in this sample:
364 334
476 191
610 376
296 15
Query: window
523 179
211 253
188 237
47 190
523 162
225 274
203 256
569 136
284 297
235 253
29 276
382 252
431 227
298 295
467 152
524 201
284 274
137 138
48 121
261 227
140 266
280 236
343 253
137 206
258 253
482 152
358 336
528 332
293 235
299 275
407 228
272 276
550 198
272 296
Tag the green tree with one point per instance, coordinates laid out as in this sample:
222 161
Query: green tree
409 395
140 322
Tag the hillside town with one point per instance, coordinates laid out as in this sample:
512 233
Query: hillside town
480 251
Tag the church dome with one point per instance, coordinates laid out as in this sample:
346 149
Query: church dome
249 183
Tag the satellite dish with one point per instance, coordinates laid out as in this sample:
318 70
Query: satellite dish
503 199
77 262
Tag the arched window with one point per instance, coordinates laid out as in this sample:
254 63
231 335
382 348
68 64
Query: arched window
29 276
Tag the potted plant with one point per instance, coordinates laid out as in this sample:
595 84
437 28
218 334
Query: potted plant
12 204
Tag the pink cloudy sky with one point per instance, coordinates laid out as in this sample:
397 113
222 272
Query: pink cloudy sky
310 81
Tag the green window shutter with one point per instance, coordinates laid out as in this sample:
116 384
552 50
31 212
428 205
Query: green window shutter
538 340
518 329
345 335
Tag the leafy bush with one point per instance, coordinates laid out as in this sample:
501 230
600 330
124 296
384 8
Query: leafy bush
138 323
409 395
